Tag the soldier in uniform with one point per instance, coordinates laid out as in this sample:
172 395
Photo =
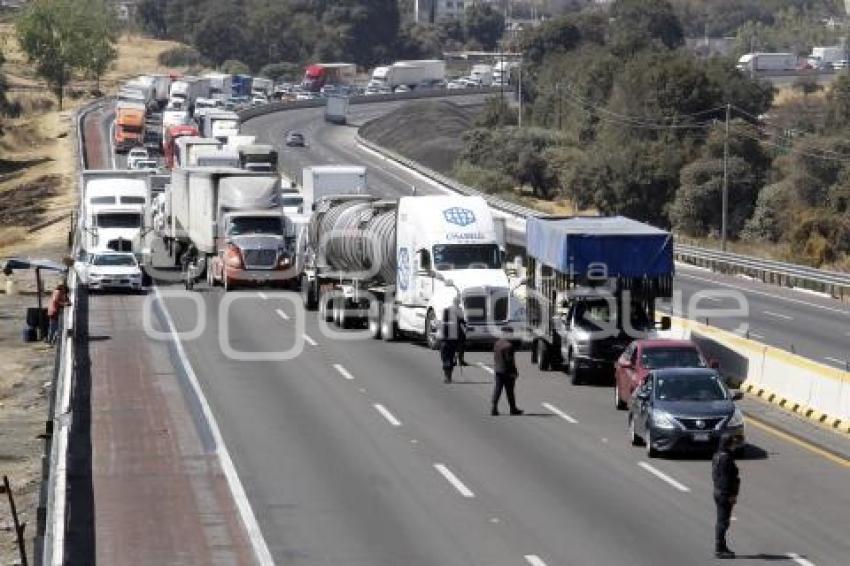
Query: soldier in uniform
451 338
505 375
724 474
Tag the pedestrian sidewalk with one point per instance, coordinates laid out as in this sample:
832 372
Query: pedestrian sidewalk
154 492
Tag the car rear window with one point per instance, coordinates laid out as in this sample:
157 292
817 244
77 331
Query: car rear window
690 388
657 358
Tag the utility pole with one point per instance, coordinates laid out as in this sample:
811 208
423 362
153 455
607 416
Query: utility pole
519 115
725 212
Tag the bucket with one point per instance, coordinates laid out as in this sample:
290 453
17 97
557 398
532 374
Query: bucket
29 334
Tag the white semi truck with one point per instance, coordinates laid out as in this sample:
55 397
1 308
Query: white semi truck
326 180
114 212
397 264
755 62
409 73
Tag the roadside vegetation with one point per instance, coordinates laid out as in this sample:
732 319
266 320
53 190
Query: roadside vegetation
620 118
276 38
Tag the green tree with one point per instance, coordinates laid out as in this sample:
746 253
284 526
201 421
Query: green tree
220 35
234 67
555 36
151 17
58 37
838 103
484 24
282 71
642 24
99 50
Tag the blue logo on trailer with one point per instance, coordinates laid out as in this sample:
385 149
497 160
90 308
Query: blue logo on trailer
459 216
403 268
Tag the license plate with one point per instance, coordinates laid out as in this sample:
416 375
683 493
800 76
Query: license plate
701 436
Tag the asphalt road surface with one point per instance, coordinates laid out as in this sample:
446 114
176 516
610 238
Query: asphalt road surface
354 452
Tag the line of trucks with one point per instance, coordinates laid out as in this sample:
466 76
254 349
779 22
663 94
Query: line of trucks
226 218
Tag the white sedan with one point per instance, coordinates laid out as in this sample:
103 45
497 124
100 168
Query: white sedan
111 270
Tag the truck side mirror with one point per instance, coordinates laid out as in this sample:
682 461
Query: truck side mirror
666 323
424 262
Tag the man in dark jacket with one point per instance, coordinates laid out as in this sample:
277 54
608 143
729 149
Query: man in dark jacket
505 373
451 328
724 474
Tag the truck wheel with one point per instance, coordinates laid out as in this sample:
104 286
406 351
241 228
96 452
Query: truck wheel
376 315
326 311
544 356
431 331
573 370
619 404
337 313
389 330
308 294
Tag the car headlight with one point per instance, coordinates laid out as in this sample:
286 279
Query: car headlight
664 420
737 419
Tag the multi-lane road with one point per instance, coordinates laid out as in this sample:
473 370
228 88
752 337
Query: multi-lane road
354 452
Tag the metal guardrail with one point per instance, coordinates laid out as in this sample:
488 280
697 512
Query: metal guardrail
835 283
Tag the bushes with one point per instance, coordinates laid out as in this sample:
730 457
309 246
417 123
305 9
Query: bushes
234 67
180 57
487 180
282 71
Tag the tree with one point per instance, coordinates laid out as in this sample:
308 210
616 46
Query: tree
58 37
484 24
220 35
151 16
642 24
838 103
99 49
282 71
554 36
234 67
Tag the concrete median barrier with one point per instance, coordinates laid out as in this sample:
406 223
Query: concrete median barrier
818 392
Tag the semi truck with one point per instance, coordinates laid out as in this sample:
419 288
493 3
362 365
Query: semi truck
409 73
258 157
834 55
262 87
325 180
220 124
129 127
336 109
186 91
482 74
114 205
228 224
169 141
396 265
592 287
321 74
755 62
241 85
221 85
184 151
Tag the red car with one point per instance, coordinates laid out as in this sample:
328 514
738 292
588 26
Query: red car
642 356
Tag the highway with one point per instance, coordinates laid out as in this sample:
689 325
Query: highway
354 452
812 326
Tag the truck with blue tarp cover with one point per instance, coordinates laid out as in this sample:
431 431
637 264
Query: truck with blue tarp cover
241 85
592 287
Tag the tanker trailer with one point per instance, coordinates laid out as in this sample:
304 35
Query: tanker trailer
395 265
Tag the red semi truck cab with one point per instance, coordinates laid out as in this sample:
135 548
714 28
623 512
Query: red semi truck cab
320 74
170 141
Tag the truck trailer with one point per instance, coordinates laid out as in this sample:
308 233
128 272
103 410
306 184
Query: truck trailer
409 73
328 180
396 265
322 74
129 127
592 288
756 62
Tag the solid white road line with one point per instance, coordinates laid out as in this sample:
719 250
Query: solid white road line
262 295
765 294
387 414
453 479
310 340
661 475
534 560
756 336
282 314
249 520
560 413
486 368
842 363
799 559
777 315
343 372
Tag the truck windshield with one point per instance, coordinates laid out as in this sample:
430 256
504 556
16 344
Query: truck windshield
467 256
246 225
602 314
114 260
119 220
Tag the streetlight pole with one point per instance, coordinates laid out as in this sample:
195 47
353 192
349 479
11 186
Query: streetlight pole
519 115
725 204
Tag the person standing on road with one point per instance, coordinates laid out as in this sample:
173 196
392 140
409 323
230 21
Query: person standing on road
58 301
450 339
505 375
727 483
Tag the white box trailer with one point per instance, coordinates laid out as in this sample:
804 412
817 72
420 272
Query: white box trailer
755 62
336 109
221 85
185 149
328 180
409 73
